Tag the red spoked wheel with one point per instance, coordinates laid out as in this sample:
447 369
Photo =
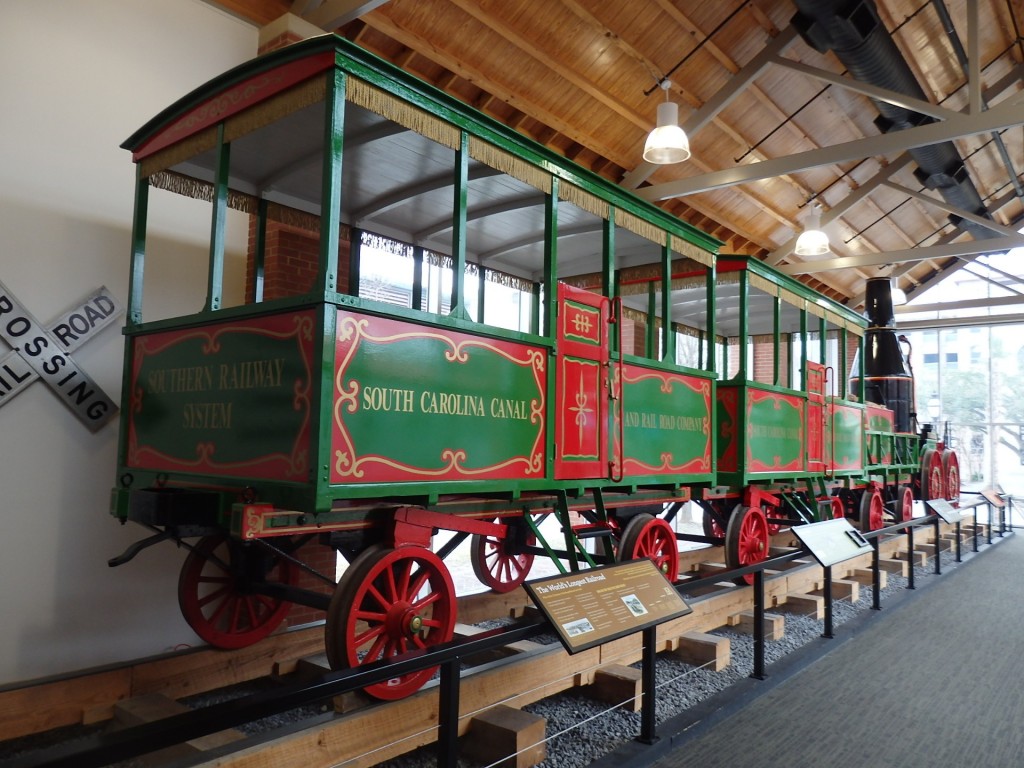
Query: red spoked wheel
872 510
215 595
712 528
904 504
746 539
388 602
653 538
951 475
837 508
497 567
933 485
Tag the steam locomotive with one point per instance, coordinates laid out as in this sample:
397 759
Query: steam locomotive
445 327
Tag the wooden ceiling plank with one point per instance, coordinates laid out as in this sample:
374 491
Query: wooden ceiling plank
709 45
382 23
595 92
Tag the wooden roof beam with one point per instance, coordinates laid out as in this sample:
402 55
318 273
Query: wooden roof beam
950 250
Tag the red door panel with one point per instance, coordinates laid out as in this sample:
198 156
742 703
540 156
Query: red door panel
581 401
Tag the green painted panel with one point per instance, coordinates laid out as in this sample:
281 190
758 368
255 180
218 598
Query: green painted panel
666 422
775 432
418 403
230 398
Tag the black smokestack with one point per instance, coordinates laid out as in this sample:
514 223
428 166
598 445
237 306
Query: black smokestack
887 377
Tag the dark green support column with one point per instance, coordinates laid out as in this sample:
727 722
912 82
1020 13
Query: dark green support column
461 184
417 277
330 207
215 278
744 339
651 341
138 266
776 337
709 283
668 337
259 257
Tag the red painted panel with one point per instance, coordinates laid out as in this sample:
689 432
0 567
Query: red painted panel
233 100
581 400
728 429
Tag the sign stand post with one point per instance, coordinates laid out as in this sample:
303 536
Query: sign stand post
949 514
831 542
590 608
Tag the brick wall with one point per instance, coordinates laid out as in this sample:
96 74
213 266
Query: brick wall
291 255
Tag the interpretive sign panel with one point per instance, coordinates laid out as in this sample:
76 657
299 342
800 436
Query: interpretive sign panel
945 510
588 608
832 541
993 498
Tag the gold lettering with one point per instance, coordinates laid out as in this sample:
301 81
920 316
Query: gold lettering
251 374
508 409
197 378
387 399
206 416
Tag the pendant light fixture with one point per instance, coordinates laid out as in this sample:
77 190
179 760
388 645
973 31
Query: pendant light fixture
812 242
667 143
899 297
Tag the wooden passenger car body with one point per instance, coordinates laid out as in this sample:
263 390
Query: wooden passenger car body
315 410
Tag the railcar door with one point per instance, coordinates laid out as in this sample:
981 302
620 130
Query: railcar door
815 417
581 381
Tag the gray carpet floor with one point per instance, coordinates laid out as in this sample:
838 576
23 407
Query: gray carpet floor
936 682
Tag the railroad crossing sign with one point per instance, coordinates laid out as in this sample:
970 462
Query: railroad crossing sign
41 353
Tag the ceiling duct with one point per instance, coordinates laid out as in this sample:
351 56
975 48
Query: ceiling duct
856 35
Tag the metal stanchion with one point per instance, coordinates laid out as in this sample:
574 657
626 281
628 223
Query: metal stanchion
448 715
828 602
910 557
648 702
758 626
876 577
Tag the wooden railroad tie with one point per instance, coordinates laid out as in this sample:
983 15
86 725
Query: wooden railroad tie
509 735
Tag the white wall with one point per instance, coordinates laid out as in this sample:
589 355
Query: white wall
76 79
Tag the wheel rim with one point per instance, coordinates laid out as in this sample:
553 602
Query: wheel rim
932 482
653 538
390 601
872 510
747 540
906 506
951 473
838 510
215 600
495 567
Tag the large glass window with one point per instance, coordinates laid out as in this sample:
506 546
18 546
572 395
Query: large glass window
387 273
969 380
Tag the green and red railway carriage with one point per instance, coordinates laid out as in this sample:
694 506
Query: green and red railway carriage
313 410
442 326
